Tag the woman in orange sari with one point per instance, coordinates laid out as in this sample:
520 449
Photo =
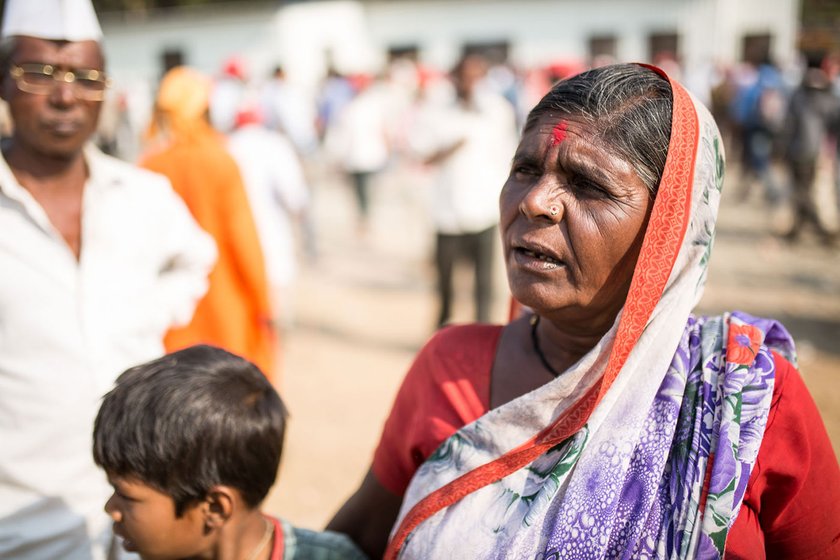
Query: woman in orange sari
235 313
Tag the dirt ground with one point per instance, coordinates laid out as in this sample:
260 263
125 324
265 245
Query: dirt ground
366 304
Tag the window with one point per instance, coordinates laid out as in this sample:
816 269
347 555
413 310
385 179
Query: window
663 46
755 49
495 52
406 52
170 58
602 46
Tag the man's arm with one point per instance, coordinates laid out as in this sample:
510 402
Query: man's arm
189 256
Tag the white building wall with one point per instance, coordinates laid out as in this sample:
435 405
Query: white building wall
540 31
134 47
777 17
358 33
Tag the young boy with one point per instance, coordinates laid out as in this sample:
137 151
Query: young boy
191 443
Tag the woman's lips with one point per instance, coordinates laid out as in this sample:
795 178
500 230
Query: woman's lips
534 259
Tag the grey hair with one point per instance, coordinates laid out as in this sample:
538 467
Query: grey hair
628 105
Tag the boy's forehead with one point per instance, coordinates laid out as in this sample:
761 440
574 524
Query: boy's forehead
124 479
113 478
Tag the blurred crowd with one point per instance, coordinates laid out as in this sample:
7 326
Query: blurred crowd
773 118
457 127
781 127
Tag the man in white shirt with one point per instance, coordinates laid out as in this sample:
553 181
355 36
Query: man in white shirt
470 136
279 196
290 111
98 259
357 141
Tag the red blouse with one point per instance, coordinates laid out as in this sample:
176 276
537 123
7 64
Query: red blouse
791 508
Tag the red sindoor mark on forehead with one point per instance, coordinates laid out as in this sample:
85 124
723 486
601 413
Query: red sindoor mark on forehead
558 133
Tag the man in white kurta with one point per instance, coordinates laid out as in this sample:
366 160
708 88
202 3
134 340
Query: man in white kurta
278 194
468 134
83 294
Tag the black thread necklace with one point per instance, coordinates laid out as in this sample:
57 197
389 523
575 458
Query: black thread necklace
535 320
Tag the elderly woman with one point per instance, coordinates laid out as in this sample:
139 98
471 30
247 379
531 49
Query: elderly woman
609 422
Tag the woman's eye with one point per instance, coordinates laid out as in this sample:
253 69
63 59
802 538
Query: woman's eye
523 171
588 187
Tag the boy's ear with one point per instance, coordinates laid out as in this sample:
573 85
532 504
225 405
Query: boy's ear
219 506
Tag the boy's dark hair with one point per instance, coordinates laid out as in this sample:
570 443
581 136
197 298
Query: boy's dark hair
191 420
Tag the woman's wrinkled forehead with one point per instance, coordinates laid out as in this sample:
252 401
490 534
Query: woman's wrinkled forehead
571 144
554 119
555 129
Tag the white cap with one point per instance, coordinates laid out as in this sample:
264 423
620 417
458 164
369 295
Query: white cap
59 20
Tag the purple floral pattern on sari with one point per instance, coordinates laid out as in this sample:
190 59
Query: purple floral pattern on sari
712 447
677 490
688 472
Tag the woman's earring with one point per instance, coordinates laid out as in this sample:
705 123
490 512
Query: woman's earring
554 210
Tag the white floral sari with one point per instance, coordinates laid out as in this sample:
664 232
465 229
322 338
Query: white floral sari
643 448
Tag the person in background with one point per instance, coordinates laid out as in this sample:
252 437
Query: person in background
831 65
336 91
191 444
723 92
357 141
278 194
468 137
236 313
228 92
289 111
98 259
758 109
292 111
812 118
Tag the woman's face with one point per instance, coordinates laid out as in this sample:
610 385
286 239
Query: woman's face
573 216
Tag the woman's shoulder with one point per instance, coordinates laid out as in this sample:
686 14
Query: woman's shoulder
447 386
459 346
473 335
793 407
456 359
797 502
785 370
